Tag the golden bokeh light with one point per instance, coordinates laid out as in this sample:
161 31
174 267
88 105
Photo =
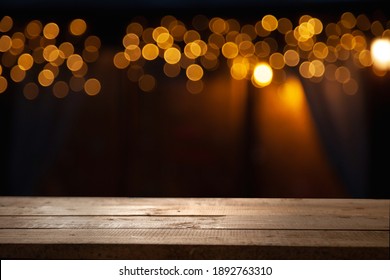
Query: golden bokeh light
17 74
121 60
5 43
380 51
51 30
45 78
77 27
194 72
74 62
6 24
92 86
3 84
269 22
150 51
291 58
230 50
25 61
172 55
276 60
33 29
262 75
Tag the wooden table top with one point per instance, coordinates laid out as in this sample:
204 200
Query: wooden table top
193 228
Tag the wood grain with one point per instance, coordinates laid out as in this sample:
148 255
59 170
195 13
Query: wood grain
37 227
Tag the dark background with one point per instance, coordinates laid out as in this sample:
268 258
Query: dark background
124 142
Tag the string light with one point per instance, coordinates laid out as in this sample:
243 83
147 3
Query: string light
260 53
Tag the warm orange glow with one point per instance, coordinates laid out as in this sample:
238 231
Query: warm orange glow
130 39
276 60
291 58
92 43
6 24
77 27
121 61
172 70
269 22
33 29
133 53
66 49
46 77
380 51
17 74
74 62
5 43
25 61
292 94
51 30
92 86
194 72
150 51
262 75
230 50
3 84
172 55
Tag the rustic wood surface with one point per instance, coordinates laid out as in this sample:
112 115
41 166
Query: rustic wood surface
193 228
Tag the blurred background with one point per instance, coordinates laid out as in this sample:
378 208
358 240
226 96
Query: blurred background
92 103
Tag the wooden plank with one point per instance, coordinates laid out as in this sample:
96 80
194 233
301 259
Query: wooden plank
187 252
309 222
288 238
191 206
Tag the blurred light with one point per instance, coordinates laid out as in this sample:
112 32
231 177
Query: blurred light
93 43
135 28
76 83
230 50
284 25
3 84
74 62
147 83
262 75
269 22
30 91
195 87
348 20
292 94
66 49
33 29
191 36
171 70
82 71
276 60
5 43
291 58
363 23
342 74
377 28
17 74
54 69
6 24
130 39
51 30
77 27
239 71
380 51
133 53
218 25
350 87
45 77
25 61
172 55
60 89
194 72
150 51
92 86
120 60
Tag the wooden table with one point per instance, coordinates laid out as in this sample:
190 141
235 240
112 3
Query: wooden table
193 228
